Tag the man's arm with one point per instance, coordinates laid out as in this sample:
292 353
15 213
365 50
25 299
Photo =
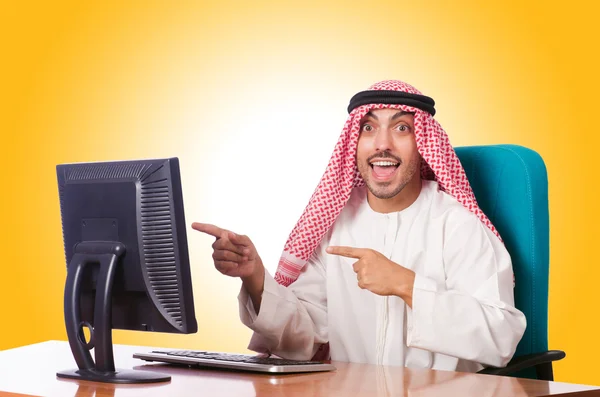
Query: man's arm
292 321
289 322
472 315
254 285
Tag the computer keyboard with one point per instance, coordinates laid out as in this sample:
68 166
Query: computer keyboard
234 361
238 358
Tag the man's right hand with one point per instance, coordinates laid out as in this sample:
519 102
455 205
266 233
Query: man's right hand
235 255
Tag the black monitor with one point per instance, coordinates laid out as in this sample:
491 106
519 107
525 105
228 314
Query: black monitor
127 259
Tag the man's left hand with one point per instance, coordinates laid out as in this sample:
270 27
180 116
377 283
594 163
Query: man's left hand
378 274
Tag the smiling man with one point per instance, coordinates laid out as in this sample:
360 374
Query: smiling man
392 262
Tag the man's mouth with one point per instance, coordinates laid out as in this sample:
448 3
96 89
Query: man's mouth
383 170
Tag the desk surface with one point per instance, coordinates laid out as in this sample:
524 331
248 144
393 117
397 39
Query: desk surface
31 370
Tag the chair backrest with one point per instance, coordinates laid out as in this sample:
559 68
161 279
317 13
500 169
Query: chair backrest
510 184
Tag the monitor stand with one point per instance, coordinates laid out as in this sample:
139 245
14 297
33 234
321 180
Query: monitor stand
107 254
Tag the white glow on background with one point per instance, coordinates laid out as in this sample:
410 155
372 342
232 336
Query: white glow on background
262 164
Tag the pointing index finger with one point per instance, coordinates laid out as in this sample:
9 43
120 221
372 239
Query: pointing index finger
348 252
213 230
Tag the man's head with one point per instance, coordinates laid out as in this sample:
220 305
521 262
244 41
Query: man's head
387 156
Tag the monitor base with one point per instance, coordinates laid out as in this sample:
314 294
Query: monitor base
119 376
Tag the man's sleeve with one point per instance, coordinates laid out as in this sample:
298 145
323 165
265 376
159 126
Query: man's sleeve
472 315
292 321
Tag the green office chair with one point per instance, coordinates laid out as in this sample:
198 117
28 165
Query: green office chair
510 184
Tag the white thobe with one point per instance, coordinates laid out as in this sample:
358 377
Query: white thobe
462 317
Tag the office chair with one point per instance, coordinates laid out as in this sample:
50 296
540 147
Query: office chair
510 184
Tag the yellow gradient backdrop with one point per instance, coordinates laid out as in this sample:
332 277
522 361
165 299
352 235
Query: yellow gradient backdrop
251 97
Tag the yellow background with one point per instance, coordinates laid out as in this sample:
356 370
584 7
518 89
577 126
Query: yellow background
251 96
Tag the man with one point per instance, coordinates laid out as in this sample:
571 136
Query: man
392 261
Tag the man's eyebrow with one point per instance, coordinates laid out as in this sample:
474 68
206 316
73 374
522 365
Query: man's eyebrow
399 114
371 115
394 117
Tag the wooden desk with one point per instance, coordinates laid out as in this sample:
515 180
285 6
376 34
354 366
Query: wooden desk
31 370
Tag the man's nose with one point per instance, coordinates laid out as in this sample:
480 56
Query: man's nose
383 140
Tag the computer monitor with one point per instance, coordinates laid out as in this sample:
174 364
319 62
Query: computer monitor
128 267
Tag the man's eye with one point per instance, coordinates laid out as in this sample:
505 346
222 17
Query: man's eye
403 128
367 128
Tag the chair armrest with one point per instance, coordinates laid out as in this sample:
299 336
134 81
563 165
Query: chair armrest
524 362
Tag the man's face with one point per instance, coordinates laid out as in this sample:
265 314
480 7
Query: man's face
387 156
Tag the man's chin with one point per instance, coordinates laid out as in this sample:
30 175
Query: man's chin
384 190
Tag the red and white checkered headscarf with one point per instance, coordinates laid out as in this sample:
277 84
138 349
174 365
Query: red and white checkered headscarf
342 175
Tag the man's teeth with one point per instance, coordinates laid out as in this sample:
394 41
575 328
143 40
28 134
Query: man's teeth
384 163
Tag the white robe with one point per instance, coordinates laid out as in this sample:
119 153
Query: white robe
463 312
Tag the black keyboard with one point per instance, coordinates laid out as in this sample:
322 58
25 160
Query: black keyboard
237 358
